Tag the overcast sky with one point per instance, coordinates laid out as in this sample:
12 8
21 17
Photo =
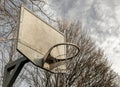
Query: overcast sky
100 17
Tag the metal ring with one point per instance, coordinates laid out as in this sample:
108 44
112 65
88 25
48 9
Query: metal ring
78 50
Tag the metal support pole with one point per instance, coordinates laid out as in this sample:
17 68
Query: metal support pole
12 71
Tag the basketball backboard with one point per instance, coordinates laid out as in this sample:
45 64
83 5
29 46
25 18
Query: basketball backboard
36 37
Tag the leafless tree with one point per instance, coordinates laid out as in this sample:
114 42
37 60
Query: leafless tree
90 68
9 22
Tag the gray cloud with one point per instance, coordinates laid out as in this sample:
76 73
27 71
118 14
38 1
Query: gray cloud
94 14
70 8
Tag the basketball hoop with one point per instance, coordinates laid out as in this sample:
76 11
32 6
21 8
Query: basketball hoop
50 58
50 53
58 60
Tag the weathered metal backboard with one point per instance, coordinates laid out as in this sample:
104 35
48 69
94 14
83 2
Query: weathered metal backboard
36 37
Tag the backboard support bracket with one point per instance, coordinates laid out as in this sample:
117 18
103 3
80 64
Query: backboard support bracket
12 71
